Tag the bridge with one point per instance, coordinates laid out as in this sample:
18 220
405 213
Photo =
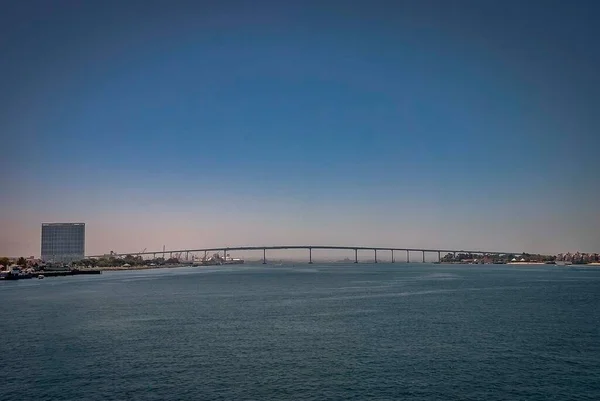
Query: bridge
310 248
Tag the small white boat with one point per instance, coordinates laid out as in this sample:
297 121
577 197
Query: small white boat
232 261
40 276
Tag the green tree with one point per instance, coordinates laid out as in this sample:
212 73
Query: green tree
449 257
22 262
4 261
91 262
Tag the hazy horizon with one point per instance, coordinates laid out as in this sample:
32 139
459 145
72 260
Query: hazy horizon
420 124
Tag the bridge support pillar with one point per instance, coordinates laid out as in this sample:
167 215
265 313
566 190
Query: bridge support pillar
375 255
355 255
153 256
170 255
310 256
392 256
439 257
264 256
224 254
187 255
204 255
423 256
407 256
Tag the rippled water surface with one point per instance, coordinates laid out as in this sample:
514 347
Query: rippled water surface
338 332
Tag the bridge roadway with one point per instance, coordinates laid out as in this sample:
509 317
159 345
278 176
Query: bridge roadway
310 248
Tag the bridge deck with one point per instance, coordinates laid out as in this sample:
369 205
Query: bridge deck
307 247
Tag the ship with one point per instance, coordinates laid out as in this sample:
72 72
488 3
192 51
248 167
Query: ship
232 261
217 260
15 273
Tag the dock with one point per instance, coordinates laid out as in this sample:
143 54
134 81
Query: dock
52 273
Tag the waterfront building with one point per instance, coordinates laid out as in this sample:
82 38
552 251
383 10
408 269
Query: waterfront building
63 242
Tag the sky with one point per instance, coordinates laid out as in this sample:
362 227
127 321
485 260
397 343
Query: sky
464 124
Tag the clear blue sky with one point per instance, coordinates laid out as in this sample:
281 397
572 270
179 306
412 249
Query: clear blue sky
410 123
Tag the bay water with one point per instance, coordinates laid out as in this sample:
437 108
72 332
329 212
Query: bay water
304 332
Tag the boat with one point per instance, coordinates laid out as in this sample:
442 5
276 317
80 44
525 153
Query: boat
206 262
40 276
232 261
217 260
15 273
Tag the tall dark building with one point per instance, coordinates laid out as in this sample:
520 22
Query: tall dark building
63 242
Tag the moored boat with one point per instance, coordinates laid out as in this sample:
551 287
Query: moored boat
232 261
15 273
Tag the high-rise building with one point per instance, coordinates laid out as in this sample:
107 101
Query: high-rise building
63 242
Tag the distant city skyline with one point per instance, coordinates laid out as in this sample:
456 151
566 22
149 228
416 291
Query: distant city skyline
412 124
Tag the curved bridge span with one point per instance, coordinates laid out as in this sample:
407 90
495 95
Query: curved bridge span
310 248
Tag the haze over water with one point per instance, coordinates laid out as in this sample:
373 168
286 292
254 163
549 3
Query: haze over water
336 332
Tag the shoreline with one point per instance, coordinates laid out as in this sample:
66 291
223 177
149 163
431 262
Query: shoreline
145 267
530 263
93 270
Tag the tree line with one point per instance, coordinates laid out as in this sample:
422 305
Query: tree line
127 259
